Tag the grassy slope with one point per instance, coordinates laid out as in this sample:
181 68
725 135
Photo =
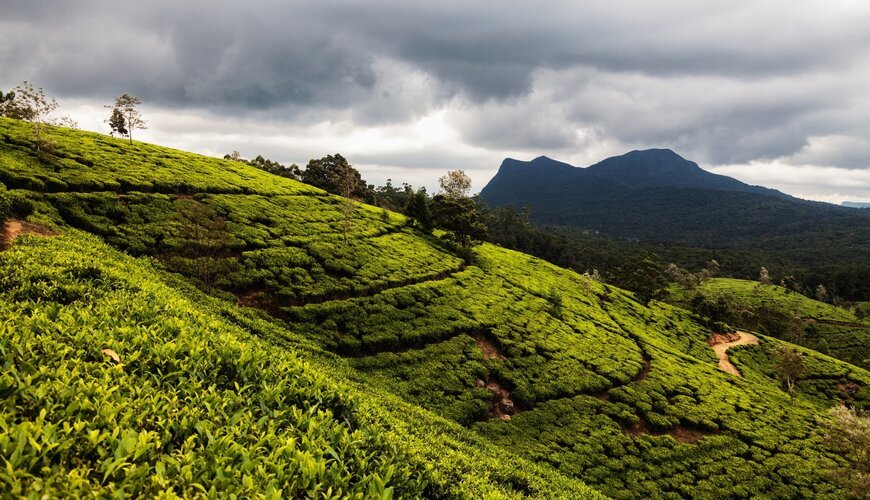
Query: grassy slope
198 404
826 328
626 397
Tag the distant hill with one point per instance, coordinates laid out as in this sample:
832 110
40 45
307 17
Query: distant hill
856 204
656 196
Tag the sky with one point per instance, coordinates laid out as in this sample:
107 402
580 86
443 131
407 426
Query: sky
775 93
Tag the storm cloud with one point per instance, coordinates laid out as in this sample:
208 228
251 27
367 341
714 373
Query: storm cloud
756 88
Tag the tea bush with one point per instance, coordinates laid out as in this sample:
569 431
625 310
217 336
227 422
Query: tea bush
115 384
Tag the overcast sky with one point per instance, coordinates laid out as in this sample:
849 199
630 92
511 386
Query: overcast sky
771 92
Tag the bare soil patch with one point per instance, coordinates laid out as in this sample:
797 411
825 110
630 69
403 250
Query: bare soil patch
501 405
15 228
489 349
680 433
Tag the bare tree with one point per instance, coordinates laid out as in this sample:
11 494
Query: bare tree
346 184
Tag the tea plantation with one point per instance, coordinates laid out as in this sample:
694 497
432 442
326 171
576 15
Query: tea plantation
358 356
786 314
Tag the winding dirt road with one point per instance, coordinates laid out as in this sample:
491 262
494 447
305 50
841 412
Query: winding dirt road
721 348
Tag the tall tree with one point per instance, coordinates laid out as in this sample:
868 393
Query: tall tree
417 207
456 184
347 183
127 106
333 173
789 366
460 217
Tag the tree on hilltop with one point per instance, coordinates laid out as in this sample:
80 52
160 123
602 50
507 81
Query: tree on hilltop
334 174
126 106
417 208
30 104
460 217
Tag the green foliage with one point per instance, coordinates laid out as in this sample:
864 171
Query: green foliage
5 204
116 384
540 363
117 123
849 432
643 275
267 165
335 175
460 218
782 313
417 208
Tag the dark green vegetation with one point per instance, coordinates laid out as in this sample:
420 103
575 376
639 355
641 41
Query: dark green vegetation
782 313
665 204
538 362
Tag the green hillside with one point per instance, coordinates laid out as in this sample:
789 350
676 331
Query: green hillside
530 362
203 398
782 313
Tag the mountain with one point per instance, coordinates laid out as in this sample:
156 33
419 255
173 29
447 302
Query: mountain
856 204
179 324
657 197
652 168
659 168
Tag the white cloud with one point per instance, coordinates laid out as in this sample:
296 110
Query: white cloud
771 90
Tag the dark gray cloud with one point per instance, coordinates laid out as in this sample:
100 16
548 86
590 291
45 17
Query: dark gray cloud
723 83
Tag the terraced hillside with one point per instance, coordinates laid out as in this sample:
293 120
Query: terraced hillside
779 312
536 360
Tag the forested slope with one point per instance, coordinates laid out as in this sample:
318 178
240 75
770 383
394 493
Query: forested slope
539 361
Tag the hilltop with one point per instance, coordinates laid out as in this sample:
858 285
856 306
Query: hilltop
386 360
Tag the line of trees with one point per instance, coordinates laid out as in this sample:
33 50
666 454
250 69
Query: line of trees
31 104
452 209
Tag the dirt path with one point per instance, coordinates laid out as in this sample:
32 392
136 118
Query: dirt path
721 343
15 228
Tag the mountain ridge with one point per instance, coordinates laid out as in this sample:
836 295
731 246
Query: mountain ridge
657 195
638 169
